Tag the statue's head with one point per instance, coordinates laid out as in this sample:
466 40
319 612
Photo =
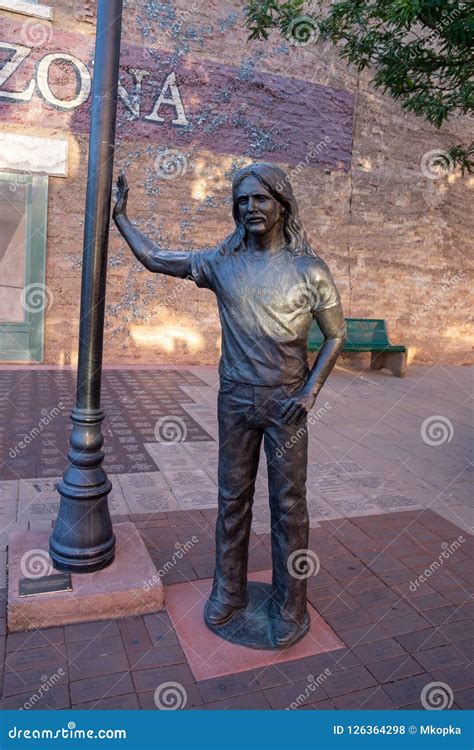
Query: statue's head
261 197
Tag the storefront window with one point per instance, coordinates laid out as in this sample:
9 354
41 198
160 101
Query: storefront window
13 199
23 294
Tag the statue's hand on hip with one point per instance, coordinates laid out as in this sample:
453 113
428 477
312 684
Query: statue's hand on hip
297 406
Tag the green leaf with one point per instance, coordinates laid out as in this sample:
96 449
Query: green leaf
420 51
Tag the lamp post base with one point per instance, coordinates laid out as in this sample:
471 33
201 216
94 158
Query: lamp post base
129 587
83 539
80 559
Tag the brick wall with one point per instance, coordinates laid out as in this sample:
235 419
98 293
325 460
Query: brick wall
396 241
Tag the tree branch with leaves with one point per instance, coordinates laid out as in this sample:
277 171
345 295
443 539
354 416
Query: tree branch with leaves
421 51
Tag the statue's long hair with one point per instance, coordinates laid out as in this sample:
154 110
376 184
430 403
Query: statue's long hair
278 185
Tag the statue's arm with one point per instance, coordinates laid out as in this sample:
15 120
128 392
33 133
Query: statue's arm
333 327
154 258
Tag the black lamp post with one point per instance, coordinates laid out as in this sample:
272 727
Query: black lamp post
83 539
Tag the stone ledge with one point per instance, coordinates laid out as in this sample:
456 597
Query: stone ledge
28 8
130 586
32 154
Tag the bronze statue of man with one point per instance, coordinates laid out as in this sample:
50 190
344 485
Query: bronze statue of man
269 285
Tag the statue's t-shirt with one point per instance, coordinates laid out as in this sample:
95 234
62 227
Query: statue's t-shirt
266 301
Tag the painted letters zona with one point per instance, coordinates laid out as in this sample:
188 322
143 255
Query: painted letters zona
19 53
198 104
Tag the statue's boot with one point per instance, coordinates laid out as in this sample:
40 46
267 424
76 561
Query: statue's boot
217 613
286 632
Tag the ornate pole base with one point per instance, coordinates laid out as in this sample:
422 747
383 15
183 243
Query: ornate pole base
83 540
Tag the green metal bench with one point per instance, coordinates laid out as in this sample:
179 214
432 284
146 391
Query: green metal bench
367 335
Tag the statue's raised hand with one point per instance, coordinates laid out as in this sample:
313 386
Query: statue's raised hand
120 207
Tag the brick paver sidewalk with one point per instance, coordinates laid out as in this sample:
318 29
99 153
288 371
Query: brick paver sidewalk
389 504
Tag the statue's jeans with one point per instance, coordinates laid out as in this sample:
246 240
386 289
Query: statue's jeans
246 414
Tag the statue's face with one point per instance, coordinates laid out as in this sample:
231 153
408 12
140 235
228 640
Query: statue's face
259 211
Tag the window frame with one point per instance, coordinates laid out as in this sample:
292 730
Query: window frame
15 336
